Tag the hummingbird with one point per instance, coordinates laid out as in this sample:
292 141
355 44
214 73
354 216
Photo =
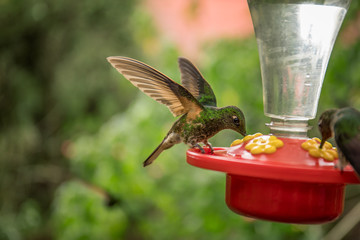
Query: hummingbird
194 101
344 125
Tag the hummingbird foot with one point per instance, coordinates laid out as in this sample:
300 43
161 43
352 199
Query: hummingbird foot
200 147
340 166
341 163
210 146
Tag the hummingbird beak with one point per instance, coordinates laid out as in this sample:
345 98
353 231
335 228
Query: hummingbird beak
243 132
322 143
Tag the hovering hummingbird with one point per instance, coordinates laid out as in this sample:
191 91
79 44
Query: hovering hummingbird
194 101
344 125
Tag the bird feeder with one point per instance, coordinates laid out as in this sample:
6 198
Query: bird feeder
295 39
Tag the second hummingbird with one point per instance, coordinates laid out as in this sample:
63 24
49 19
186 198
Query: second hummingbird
195 101
344 125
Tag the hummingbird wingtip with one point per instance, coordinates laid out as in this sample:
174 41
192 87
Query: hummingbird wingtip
109 59
182 59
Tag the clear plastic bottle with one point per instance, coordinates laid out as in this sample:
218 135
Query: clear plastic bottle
295 39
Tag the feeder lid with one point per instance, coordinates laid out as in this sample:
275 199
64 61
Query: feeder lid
288 163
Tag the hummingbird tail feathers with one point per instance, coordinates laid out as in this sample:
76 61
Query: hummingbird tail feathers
170 140
154 154
354 162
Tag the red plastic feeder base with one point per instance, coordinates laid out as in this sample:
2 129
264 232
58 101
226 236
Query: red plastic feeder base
286 186
283 201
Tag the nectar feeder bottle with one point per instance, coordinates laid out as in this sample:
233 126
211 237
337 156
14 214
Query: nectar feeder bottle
295 39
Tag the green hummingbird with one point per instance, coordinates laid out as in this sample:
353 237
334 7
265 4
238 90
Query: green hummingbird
195 101
344 125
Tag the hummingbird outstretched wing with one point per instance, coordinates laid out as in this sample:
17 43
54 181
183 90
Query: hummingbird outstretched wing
193 81
158 86
347 135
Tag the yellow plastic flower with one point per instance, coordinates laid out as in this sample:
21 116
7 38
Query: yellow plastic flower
245 139
328 152
264 144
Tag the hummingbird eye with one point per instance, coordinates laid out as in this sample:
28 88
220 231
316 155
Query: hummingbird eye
236 120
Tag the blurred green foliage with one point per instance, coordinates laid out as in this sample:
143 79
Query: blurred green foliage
55 85
65 112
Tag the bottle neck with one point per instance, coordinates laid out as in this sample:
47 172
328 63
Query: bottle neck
288 128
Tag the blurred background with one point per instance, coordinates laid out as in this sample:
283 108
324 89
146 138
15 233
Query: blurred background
74 133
